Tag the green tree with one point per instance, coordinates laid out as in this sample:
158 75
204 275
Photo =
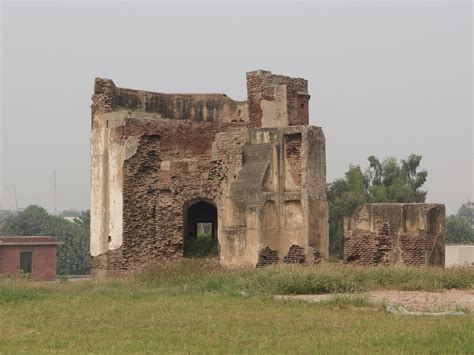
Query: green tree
73 254
391 181
344 196
458 230
84 220
466 211
386 181
70 213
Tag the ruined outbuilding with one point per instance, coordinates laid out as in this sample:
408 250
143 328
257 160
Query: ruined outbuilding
163 163
395 233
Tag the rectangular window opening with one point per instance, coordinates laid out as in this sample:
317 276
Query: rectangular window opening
204 230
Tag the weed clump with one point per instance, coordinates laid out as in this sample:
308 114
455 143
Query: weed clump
343 301
309 283
201 247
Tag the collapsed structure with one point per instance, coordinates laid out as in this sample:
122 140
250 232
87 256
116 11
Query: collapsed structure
392 233
164 163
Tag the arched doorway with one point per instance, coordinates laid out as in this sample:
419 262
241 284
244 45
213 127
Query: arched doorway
200 229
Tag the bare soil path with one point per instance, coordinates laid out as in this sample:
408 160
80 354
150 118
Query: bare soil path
426 301
423 301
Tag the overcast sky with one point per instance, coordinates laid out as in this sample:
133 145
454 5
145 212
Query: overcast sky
386 79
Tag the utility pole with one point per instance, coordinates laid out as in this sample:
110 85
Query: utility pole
54 191
16 200
14 193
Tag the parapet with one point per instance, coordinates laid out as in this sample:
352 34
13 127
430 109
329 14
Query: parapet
273 101
276 100
395 233
196 107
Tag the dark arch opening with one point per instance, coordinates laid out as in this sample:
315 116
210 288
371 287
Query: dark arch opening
200 229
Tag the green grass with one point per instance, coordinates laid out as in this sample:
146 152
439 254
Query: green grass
203 246
197 307
343 301
203 275
15 295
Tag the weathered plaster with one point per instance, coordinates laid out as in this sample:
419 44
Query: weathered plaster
258 162
395 233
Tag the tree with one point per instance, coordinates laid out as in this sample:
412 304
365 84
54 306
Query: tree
386 181
84 220
466 211
459 227
344 196
73 254
390 181
70 213
458 230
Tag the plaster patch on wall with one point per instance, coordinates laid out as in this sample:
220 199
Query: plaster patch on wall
131 145
275 111
165 165
293 213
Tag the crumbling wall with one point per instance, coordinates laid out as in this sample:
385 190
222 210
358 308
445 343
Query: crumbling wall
141 195
172 167
267 257
282 179
276 100
296 255
391 233
196 107
292 161
154 155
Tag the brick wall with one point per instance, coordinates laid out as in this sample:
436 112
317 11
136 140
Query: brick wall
261 86
297 90
292 146
177 149
411 234
176 162
43 260
196 107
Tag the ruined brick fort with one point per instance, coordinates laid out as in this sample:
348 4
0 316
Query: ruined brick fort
253 172
162 164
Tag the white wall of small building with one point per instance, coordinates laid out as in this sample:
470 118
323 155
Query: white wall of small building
459 255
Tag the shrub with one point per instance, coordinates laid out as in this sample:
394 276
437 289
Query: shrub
201 247
348 301
317 284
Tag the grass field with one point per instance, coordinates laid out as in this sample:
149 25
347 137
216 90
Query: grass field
196 307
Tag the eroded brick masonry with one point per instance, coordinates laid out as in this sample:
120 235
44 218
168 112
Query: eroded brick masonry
160 163
395 233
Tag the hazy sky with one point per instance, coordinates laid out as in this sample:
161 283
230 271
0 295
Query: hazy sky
386 79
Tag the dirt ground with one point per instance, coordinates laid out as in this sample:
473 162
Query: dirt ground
447 300
426 301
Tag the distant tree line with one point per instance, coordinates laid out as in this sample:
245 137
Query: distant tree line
73 254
